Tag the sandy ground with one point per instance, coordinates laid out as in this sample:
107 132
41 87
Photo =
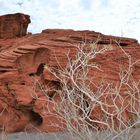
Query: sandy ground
133 135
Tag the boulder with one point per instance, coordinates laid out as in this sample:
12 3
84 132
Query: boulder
13 25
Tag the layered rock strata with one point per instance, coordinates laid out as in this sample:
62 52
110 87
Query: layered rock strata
25 105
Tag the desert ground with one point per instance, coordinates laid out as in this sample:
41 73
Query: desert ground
133 135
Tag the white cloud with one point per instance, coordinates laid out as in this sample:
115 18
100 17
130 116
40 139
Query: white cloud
115 17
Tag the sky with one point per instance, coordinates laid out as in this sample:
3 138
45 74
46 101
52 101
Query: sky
110 17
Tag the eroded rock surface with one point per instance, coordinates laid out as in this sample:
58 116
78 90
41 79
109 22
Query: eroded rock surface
14 25
23 103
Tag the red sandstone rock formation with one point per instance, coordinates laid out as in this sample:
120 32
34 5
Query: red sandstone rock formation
13 25
23 104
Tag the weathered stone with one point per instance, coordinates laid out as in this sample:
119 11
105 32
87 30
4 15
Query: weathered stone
13 25
22 75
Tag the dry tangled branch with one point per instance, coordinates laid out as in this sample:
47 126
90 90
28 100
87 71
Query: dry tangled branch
88 110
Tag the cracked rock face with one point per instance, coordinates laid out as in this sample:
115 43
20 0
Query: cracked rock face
13 25
23 104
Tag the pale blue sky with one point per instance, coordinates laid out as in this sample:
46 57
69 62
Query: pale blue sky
112 17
